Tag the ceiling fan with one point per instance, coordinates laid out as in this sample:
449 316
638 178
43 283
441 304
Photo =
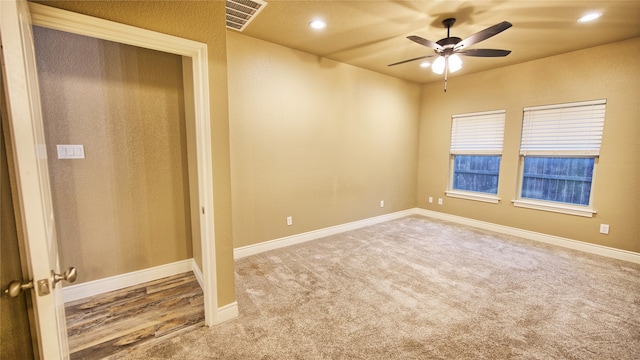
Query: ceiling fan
449 48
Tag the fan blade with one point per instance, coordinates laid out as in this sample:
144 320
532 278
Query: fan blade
483 35
425 42
414 59
484 52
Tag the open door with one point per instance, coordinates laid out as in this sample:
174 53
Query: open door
32 180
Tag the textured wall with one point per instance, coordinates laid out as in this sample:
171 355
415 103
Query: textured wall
314 139
605 72
511 88
125 207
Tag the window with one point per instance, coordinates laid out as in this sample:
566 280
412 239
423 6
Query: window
559 152
476 173
476 150
562 179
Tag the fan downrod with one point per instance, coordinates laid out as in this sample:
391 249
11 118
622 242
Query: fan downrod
448 23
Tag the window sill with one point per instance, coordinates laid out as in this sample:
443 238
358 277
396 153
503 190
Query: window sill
473 196
559 208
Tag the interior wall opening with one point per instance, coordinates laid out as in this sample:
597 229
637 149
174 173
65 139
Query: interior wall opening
115 117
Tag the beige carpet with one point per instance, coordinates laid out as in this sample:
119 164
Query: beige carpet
417 288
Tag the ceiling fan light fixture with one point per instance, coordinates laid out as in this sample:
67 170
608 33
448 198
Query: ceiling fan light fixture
589 17
438 65
425 64
448 61
455 63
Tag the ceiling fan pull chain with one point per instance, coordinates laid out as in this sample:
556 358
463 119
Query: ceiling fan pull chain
446 74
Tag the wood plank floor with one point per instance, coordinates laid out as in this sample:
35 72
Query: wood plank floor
113 324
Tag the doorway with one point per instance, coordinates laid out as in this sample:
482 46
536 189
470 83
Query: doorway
194 62
30 159
114 119
122 187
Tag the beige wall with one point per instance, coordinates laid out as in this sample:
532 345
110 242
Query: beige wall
203 22
314 139
606 72
319 141
125 207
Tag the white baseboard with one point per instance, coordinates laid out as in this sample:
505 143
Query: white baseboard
227 312
507 230
224 313
230 311
95 287
249 250
197 273
536 236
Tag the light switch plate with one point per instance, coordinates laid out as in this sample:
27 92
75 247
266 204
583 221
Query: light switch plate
70 151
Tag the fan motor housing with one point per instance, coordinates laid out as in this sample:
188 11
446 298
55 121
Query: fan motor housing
448 42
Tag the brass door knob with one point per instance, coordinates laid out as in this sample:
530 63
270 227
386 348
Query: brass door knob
16 288
69 275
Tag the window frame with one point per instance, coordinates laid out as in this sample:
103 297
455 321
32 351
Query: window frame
556 206
468 194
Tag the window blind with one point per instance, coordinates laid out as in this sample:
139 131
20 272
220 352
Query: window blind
477 133
563 129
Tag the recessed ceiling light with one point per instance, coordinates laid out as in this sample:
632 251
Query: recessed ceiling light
425 64
590 17
318 24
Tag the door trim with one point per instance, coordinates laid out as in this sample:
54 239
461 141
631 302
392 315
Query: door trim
71 22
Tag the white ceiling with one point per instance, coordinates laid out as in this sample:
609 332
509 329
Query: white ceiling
372 34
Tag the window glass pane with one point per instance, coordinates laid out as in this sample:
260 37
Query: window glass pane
561 179
476 173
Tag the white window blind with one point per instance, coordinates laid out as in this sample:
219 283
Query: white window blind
477 133
563 129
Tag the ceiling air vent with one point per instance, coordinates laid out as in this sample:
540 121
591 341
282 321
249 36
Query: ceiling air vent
241 12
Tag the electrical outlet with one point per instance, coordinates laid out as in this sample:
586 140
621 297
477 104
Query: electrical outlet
289 220
604 229
439 201
430 199
381 203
